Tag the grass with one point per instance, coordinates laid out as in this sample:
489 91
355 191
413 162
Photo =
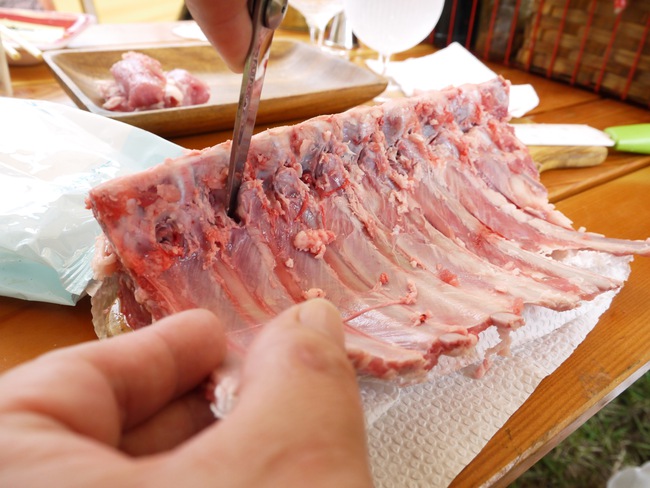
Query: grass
616 437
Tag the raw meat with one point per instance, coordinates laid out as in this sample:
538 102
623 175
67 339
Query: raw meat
422 219
141 84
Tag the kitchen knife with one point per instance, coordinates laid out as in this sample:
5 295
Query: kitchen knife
266 15
576 145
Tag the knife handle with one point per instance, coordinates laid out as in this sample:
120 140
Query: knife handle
555 157
632 138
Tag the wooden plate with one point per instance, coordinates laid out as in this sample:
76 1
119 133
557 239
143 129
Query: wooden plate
301 81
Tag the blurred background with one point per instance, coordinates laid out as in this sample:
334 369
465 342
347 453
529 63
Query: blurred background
109 11
601 45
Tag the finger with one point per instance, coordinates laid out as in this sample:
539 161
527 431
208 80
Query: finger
227 25
100 388
299 406
169 427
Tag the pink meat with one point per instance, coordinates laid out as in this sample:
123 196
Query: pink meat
193 90
141 79
423 220
139 83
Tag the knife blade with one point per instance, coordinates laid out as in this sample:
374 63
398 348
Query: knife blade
266 16
630 138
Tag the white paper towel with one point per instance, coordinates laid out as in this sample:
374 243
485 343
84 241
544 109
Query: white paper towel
424 435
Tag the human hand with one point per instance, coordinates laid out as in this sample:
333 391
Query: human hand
127 411
227 25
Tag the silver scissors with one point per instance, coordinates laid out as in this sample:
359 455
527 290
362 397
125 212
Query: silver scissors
266 16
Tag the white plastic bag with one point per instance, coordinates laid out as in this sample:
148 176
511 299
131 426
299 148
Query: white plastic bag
50 157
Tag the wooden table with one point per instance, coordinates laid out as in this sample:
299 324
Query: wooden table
613 198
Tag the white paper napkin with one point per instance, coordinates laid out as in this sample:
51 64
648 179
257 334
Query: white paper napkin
190 30
452 66
424 435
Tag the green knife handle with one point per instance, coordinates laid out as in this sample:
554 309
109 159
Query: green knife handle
632 138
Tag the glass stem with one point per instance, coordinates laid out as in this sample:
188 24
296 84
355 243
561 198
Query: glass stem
383 63
313 33
316 35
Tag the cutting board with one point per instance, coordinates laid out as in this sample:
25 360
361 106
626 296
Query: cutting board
557 157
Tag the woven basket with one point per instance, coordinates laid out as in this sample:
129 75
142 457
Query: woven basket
584 42
500 28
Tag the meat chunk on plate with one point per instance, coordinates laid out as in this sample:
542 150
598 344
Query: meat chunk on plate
140 83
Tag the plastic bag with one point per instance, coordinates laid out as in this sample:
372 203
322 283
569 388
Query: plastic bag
50 157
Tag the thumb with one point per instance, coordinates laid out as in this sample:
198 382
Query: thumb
298 355
298 420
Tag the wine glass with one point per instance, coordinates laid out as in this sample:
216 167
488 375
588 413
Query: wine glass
317 14
392 26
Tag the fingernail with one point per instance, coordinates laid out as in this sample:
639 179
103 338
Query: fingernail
321 315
